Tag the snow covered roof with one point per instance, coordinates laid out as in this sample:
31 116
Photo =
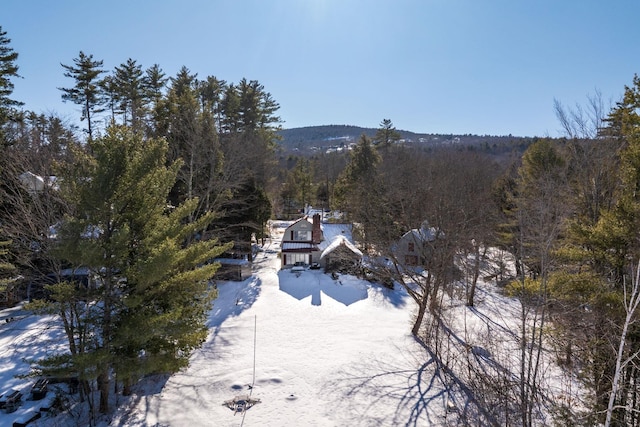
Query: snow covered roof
304 218
308 210
35 183
332 230
421 234
337 242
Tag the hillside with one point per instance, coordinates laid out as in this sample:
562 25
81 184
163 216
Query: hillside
306 140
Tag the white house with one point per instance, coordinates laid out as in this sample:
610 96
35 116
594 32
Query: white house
300 242
413 246
309 240
35 183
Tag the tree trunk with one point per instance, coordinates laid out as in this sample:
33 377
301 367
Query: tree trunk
630 308
127 388
103 388
476 274
422 308
569 353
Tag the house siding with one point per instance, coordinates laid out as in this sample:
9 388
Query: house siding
299 242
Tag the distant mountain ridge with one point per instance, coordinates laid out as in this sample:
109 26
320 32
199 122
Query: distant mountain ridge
324 137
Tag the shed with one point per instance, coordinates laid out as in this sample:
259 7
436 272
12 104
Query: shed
233 269
341 255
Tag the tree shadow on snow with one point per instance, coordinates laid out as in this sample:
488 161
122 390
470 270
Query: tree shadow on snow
427 394
363 389
25 337
233 298
397 296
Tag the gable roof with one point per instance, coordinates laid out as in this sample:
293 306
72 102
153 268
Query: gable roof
423 234
336 243
330 231
297 221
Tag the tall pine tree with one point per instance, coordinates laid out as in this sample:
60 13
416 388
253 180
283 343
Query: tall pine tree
8 70
147 312
87 92
359 190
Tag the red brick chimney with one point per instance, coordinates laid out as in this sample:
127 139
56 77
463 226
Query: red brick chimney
316 231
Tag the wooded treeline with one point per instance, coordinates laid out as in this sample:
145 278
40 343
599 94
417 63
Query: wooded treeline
566 209
170 172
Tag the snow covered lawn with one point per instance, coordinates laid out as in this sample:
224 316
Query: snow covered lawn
327 353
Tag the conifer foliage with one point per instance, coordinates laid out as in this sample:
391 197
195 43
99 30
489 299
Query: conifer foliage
8 70
146 311
87 92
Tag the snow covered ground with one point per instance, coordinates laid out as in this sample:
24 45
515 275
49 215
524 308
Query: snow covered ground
24 337
326 353
314 351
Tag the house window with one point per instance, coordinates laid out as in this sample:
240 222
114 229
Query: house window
412 247
411 260
293 258
301 235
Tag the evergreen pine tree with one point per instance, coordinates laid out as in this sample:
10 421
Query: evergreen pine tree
8 70
130 87
360 190
148 310
386 134
7 269
87 92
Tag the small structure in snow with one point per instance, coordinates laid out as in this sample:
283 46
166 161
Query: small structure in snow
451 406
39 389
241 403
341 255
233 269
11 402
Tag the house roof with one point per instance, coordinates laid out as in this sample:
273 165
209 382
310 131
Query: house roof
332 230
232 261
421 234
304 218
336 243
293 246
295 225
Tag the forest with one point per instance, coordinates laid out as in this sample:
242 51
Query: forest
166 173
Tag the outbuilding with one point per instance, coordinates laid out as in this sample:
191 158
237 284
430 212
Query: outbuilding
233 269
341 255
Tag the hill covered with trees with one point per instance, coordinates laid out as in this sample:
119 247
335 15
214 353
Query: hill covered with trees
307 140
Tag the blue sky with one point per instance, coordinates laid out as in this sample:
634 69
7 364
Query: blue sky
431 66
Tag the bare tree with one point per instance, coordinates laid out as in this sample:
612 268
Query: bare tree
625 356
451 191
30 204
582 122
